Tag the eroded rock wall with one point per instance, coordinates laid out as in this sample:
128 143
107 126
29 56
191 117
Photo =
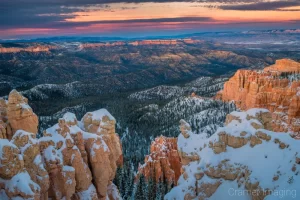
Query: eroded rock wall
163 162
268 89
73 160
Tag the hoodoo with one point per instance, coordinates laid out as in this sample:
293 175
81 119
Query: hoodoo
276 88
73 160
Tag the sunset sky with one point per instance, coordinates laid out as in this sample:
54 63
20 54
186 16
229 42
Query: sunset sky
134 18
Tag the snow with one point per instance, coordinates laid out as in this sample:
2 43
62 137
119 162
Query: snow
69 117
264 161
203 85
3 143
99 114
227 191
113 192
236 127
88 194
68 168
23 183
3 195
31 139
25 106
50 154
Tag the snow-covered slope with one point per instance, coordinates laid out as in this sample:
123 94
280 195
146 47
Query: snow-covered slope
242 160
204 114
203 86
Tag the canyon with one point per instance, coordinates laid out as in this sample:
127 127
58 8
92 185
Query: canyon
78 159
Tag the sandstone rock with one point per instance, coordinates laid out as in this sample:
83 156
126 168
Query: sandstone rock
32 49
187 158
255 191
207 189
20 114
163 162
284 65
28 144
21 186
227 161
62 163
266 90
199 175
263 136
11 160
223 170
254 141
219 147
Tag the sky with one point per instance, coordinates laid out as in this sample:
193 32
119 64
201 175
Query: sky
140 18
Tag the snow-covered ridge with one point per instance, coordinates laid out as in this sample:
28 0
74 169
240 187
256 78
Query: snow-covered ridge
207 86
241 157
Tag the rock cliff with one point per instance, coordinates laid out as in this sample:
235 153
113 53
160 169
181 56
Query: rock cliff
73 160
31 49
276 88
163 162
243 160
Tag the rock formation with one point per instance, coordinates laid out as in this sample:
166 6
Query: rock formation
243 160
276 88
73 160
31 49
163 162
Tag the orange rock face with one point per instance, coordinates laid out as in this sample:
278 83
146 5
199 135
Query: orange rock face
163 161
74 160
32 49
268 89
20 115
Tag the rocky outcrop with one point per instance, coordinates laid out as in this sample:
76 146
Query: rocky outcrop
243 156
163 162
20 115
31 49
284 65
73 160
275 88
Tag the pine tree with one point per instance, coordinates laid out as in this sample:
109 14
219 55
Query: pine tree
141 191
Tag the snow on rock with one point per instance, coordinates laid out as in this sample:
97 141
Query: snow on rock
276 88
243 160
113 192
22 186
163 162
63 162
84 155
20 115
89 194
70 118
